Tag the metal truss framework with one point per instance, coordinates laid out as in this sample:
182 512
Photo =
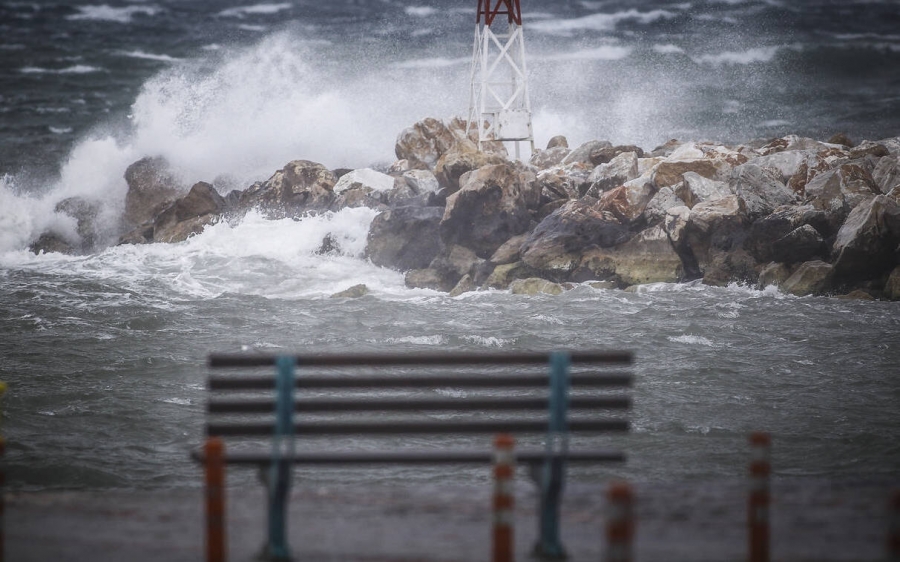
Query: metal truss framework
499 106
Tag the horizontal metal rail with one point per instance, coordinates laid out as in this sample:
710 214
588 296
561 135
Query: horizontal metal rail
267 405
409 427
217 360
535 380
414 457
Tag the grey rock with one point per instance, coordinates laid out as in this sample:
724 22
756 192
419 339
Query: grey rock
760 189
354 292
492 207
866 245
799 245
612 174
405 238
811 278
696 189
583 153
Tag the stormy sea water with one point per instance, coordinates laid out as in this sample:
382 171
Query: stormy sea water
104 353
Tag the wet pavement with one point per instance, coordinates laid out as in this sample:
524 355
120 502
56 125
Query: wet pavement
813 520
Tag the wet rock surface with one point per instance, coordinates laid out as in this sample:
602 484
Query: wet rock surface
456 215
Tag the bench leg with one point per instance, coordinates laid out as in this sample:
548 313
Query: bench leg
278 487
549 478
215 500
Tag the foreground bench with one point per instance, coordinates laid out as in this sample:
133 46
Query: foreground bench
544 396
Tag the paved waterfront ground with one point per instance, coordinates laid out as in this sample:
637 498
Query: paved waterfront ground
813 520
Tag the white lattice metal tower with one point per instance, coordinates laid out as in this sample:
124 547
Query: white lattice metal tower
499 107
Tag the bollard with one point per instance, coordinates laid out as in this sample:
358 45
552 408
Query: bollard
215 500
894 528
2 484
758 499
619 522
504 501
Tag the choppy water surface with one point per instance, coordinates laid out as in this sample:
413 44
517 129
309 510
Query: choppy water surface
104 353
105 356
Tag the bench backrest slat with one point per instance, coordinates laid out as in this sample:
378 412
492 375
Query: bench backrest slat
377 427
217 360
524 380
267 405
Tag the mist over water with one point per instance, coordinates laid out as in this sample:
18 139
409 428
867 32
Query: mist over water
104 353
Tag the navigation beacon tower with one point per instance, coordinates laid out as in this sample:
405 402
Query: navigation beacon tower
499 108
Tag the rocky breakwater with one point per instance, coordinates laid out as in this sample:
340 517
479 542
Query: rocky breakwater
808 216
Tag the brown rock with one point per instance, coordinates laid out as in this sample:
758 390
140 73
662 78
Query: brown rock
463 157
627 202
669 173
422 144
151 186
892 287
298 187
841 139
489 209
559 141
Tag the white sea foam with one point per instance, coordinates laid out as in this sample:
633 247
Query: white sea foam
489 341
597 22
606 52
420 11
750 56
667 49
106 12
434 62
149 56
243 114
692 340
256 9
60 130
76 69
271 259
419 340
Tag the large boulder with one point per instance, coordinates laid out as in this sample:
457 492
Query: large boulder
364 177
421 181
463 157
568 181
583 153
152 185
422 144
543 159
367 188
839 191
655 211
185 217
799 245
670 173
628 202
503 275
621 169
492 207
299 187
556 245
811 278
715 235
455 262
764 232
647 258
760 189
695 189
887 173
405 238
535 286
866 245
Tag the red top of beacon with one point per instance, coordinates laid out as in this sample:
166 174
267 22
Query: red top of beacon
492 8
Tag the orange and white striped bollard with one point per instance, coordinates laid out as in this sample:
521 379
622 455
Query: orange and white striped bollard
214 452
504 502
619 522
759 500
894 528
